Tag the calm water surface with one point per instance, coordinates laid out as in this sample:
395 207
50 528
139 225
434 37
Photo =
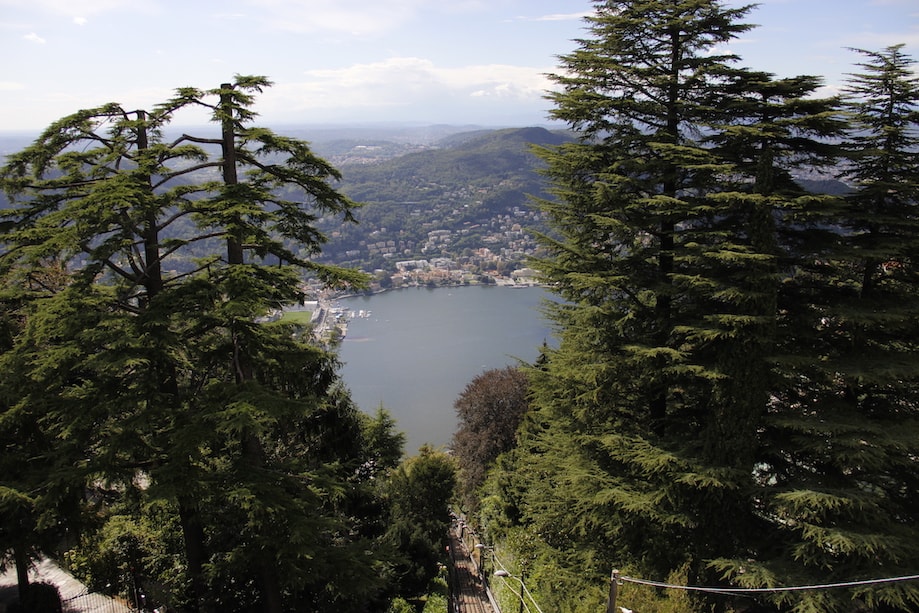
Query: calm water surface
419 348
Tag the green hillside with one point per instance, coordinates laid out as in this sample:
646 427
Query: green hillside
473 186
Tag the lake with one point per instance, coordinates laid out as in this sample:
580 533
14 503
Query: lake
416 349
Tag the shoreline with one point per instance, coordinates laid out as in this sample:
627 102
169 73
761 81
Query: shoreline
507 284
335 329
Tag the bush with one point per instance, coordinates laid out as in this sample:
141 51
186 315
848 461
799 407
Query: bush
436 603
401 605
41 598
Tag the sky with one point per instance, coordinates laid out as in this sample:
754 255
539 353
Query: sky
351 62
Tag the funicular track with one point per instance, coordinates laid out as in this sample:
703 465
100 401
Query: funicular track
468 593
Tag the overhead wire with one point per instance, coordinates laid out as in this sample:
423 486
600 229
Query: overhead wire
524 591
762 590
721 590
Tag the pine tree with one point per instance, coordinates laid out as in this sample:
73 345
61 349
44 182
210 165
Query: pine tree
627 397
691 414
30 520
169 374
383 443
254 221
420 492
839 444
83 199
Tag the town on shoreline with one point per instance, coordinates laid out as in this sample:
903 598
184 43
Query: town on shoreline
329 321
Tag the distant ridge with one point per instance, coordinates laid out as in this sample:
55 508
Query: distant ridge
478 157
482 158
530 135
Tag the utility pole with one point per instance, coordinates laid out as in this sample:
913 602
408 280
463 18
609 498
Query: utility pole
523 574
613 592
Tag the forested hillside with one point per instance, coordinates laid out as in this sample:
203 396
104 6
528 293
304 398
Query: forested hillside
469 190
465 194
460 194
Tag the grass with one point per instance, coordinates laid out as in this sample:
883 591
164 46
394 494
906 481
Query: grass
297 317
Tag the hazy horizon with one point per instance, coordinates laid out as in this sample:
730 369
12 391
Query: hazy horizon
419 61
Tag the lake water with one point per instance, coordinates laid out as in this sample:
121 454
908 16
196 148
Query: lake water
419 348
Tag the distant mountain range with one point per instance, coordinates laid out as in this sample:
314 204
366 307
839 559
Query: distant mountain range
491 160
450 192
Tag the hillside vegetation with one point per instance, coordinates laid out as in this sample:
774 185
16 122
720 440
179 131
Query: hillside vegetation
466 194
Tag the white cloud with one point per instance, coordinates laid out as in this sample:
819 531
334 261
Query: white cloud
500 90
359 17
560 16
32 37
10 86
396 77
73 7
406 84
80 21
876 40
499 80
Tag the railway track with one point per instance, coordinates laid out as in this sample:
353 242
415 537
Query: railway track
468 592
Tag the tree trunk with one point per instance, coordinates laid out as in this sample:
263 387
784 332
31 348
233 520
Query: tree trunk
271 590
193 534
152 280
253 452
22 571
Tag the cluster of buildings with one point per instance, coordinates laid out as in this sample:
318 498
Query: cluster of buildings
449 251
445 271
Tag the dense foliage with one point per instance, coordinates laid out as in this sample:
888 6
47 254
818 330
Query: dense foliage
733 398
489 411
420 492
151 419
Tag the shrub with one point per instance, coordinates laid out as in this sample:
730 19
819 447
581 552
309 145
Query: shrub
41 598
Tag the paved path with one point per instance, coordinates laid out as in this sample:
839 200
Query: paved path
469 594
73 593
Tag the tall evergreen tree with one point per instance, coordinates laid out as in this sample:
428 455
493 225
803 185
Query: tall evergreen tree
627 397
839 444
134 369
420 492
637 92
31 520
255 222
884 104
694 412
84 195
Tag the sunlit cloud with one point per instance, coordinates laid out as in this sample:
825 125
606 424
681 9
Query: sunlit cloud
499 81
397 77
10 86
32 37
80 21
